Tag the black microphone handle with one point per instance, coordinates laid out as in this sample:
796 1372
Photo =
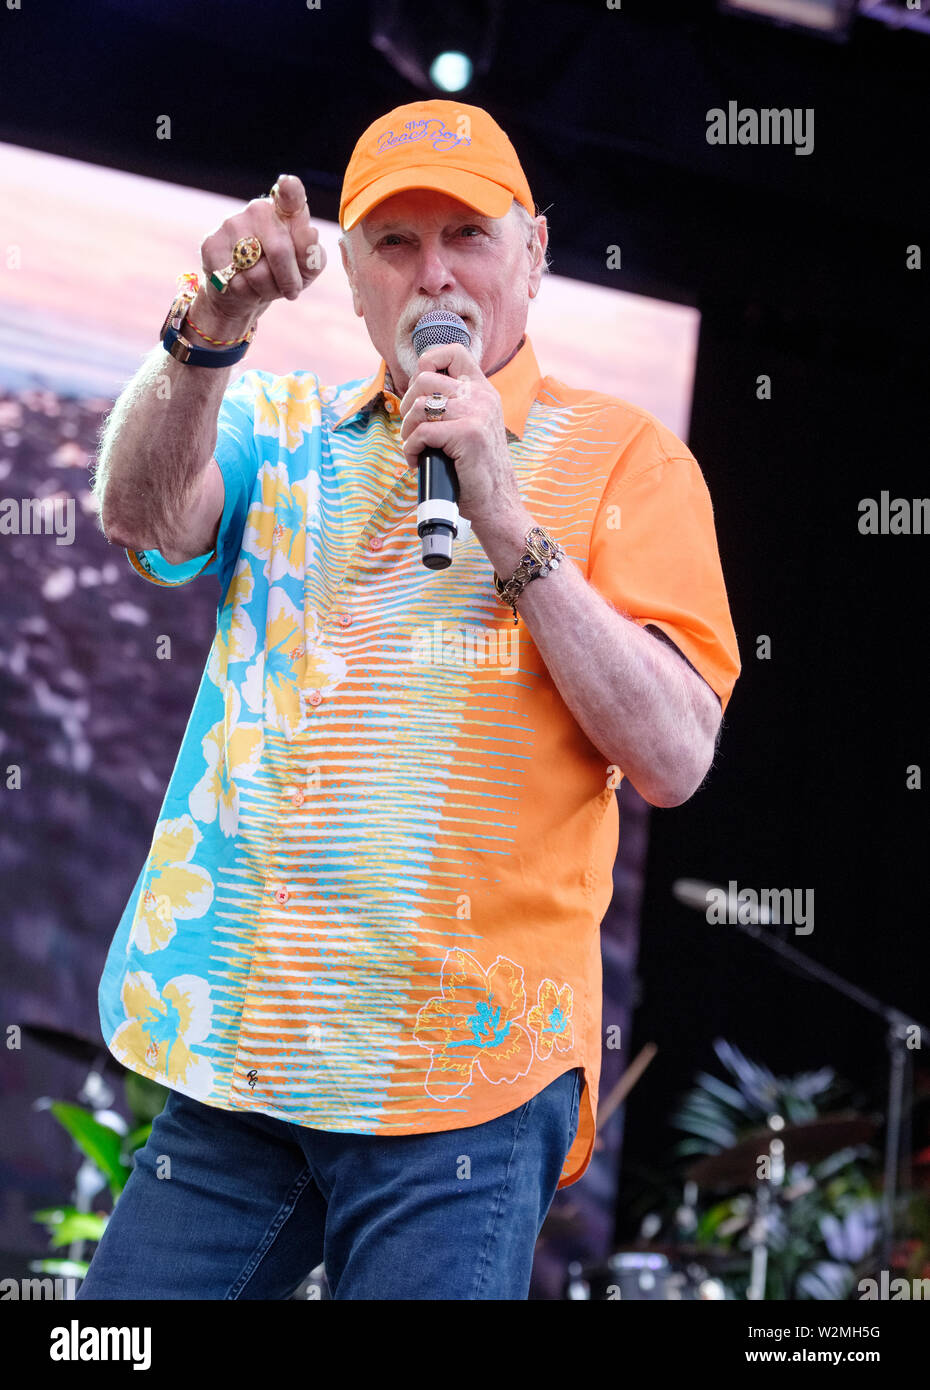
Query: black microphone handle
437 482
437 477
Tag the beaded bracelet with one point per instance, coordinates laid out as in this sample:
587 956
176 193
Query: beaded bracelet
189 283
221 342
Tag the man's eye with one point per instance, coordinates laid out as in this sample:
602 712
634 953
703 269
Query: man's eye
390 237
470 229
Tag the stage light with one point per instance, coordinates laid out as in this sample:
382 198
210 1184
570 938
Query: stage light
467 28
896 14
451 72
831 18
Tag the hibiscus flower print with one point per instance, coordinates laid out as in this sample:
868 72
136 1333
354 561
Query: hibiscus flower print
233 752
161 1028
473 1024
276 526
293 412
551 1019
281 681
173 889
235 634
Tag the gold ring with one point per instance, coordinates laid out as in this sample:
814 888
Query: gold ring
246 253
273 195
435 406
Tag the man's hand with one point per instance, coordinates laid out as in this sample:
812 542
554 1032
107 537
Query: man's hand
471 432
291 259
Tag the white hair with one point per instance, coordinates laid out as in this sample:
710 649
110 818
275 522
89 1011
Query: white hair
528 224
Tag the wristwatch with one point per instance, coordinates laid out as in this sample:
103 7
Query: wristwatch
541 554
179 347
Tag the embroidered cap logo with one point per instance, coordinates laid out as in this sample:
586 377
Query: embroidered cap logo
434 130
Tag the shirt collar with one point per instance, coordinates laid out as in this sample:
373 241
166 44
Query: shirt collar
517 384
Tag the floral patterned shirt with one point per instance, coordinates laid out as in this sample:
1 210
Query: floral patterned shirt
374 889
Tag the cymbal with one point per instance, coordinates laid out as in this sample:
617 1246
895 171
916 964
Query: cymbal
666 1254
682 1252
807 1142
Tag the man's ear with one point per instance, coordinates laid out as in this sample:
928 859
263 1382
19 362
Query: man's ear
350 275
540 241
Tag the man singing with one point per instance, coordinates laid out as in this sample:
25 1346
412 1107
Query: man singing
363 952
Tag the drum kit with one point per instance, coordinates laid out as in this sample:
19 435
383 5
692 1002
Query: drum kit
680 1270
683 1270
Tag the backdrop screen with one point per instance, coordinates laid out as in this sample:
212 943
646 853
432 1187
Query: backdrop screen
92 256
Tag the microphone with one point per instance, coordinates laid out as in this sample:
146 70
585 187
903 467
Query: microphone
438 520
694 892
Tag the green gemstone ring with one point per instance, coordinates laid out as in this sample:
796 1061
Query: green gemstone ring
246 253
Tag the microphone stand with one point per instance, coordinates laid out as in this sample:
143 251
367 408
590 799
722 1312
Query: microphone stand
900 1077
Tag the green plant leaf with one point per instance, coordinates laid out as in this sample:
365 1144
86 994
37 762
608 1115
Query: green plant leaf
826 1215
709 1128
695 1148
84 1225
732 1098
710 1221
97 1141
66 1223
50 1216
756 1082
698 1102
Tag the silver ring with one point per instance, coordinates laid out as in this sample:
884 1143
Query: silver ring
435 406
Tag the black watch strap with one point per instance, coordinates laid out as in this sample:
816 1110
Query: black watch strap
182 351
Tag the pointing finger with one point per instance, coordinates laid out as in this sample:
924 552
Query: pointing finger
289 197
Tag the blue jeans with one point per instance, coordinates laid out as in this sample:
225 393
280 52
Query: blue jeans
253 1204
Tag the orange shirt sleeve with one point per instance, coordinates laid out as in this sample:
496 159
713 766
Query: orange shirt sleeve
654 556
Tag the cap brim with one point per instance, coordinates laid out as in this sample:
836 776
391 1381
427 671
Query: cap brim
484 195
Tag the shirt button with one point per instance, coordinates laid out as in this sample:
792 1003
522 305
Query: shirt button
344 619
296 796
374 543
281 894
315 697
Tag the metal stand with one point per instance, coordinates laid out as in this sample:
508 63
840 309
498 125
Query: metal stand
901 1029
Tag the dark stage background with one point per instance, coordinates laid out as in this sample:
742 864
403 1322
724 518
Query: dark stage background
798 267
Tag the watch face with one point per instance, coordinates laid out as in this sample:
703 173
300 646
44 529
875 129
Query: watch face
177 305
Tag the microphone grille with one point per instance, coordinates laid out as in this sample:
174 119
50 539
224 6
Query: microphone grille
439 326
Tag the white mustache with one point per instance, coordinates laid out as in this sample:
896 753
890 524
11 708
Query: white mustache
463 308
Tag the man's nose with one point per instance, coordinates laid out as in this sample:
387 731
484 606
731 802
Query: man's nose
434 274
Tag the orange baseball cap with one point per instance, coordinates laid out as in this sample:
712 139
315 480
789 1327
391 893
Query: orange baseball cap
459 150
